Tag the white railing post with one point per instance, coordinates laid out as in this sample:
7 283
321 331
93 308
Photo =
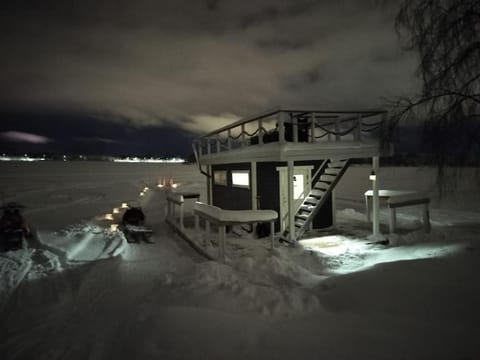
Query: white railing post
221 236
197 224
182 227
291 203
376 203
357 132
337 129
207 227
281 127
426 218
242 137
260 131
295 129
272 234
229 139
253 175
312 128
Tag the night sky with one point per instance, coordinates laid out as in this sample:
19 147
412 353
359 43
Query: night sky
122 77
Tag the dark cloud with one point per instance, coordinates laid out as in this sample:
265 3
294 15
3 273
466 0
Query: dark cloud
196 65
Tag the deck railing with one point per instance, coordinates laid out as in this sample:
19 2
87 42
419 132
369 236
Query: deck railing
286 126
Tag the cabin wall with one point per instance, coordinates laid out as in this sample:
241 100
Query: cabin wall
268 189
230 197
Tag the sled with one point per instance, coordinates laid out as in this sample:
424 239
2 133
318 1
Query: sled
136 233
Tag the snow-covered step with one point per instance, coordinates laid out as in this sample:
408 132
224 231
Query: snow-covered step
317 192
299 223
302 216
322 185
311 200
332 171
337 164
328 178
307 207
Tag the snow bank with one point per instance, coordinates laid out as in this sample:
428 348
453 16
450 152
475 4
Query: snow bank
86 242
14 266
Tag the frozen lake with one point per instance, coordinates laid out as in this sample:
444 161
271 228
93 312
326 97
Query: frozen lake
88 295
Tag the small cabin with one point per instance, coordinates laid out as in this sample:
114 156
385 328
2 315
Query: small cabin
289 161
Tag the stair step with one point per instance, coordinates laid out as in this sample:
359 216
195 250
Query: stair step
337 163
317 192
321 185
311 200
302 216
299 223
328 178
332 171
308 208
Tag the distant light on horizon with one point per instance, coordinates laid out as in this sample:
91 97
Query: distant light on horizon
150 160
21 158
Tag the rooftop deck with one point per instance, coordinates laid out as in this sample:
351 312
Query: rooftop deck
282 135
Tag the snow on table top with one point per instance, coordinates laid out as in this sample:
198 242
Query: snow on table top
394 193
399 196
237 216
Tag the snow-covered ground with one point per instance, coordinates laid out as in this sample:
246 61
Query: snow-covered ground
81 292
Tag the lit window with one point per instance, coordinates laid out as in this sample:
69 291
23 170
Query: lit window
241 178
220 177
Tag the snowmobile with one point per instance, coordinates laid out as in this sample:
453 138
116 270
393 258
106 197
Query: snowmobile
13 227
133 226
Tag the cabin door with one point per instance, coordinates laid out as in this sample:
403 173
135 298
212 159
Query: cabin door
302 183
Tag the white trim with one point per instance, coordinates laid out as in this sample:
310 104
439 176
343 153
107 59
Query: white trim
253 177
294 151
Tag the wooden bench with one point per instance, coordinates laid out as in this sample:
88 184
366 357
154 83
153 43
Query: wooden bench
223 218
401 198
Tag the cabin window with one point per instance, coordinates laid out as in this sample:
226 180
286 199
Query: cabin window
220 177
241 178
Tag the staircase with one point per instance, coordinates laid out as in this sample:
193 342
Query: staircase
330 175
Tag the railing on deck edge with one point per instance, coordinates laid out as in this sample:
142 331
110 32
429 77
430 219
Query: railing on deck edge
284 126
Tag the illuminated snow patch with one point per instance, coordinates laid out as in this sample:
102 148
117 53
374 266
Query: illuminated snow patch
333 245
342 255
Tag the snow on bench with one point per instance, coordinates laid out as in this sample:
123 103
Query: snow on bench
222 218
401 198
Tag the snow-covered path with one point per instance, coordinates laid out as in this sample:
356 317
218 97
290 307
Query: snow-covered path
89 311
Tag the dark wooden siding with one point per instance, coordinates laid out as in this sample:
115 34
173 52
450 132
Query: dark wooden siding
230 197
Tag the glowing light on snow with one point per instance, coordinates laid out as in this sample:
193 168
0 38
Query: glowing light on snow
160 185
108 217
351 255
145 189
124 205
174 185
333 245
142 193
114 227
116 210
